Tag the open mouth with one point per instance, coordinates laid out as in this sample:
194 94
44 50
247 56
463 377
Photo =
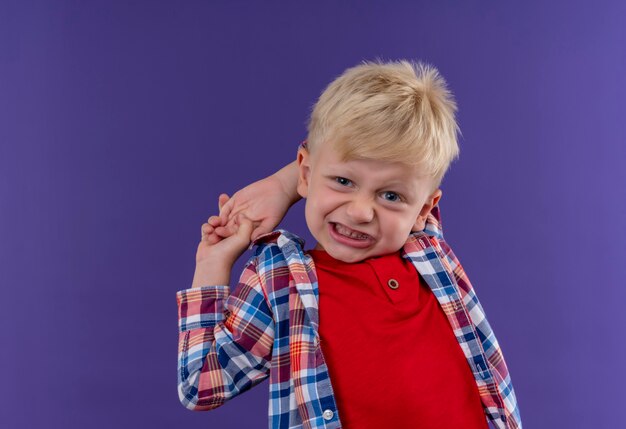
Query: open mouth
347 232
349 237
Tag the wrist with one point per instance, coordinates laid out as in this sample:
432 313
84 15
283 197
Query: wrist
288 179
211 273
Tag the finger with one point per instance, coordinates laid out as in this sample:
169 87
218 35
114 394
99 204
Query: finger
222 199
231 228
263 228
214 221
223 232
226 230
213 239
234 211
226 208
238 212
206 227
245 228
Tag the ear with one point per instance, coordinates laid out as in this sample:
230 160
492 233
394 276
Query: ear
431 201
304 171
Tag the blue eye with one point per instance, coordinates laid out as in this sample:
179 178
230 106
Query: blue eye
394 197
342 181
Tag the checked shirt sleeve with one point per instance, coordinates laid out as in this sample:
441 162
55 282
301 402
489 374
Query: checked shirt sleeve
502 388
224 342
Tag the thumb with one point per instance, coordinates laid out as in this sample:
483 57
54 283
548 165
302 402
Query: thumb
244 230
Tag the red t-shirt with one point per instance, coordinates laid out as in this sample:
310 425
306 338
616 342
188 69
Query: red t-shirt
393 359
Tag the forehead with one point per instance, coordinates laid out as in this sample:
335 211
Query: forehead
327 157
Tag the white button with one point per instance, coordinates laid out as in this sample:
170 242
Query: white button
328 414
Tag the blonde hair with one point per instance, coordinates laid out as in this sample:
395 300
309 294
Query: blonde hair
395 111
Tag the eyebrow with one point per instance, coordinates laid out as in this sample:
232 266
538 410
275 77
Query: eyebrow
404 189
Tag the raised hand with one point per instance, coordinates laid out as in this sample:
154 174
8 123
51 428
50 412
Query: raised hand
265 202
218 250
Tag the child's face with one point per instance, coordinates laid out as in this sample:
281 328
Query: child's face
380 202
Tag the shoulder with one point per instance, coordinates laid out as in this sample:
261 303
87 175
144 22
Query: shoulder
275 246
432 234
274 256
278 238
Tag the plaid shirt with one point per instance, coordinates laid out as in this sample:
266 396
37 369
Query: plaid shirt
268 326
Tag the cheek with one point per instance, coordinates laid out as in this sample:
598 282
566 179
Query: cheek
311 206
315 212
325 201
397 229
312 219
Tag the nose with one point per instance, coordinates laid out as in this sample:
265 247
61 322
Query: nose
360 210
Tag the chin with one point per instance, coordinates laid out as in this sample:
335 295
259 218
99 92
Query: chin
349 260
348 257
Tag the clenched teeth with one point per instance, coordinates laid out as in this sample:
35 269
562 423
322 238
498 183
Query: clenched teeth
349 233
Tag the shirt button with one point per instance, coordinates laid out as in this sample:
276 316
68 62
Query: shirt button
393 284
328 414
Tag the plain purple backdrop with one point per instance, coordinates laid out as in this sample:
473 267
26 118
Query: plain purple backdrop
121 123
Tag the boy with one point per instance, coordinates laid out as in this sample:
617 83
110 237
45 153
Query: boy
378 325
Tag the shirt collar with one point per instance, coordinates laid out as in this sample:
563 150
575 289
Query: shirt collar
272 237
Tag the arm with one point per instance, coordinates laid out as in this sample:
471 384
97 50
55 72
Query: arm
225 340
265 201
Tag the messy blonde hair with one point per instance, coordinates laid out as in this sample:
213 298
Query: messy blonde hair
395 111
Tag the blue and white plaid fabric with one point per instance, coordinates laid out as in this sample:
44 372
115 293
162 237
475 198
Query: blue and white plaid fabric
268 326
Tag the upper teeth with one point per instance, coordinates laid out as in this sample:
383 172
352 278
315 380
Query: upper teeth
349 233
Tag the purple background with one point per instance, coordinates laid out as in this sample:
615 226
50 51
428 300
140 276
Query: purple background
121 123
